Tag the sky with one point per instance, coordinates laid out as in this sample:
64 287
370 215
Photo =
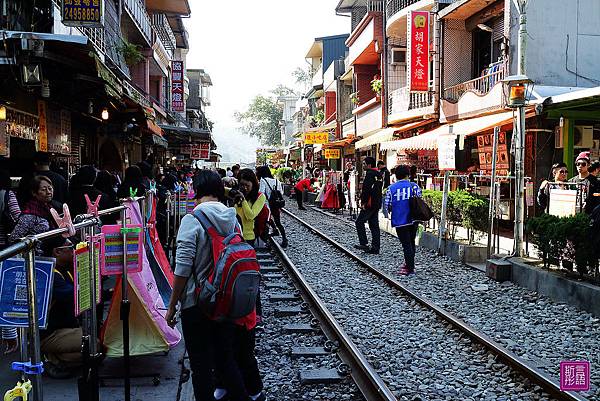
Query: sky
248 47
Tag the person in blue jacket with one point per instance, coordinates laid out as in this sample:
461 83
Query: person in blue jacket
397 201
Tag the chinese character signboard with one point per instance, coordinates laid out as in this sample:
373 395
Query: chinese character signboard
575 376
311 138
447 152
200 151
485 148
418 51
332 153
177 86
87 13
43 124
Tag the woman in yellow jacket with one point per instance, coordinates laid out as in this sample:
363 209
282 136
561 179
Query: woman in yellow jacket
249 203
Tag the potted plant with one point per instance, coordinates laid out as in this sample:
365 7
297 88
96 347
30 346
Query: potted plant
354 98
131 53
376 86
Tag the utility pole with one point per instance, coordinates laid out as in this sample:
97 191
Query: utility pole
519 134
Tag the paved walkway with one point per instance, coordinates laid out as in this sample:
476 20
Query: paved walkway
142 389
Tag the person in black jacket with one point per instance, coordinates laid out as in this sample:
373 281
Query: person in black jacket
370 199
82 184
385 173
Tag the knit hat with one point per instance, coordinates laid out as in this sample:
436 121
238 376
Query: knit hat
583 156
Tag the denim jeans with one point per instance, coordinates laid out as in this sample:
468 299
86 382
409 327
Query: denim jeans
372 217
407 236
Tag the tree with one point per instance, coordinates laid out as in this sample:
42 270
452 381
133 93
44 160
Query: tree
302 76
282 90
261 120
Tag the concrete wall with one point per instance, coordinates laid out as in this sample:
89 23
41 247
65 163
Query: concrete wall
563 42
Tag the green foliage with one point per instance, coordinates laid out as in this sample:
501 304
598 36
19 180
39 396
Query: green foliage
376 86
131 53
278 173
319 117
566 239
261 120
464 209
354 98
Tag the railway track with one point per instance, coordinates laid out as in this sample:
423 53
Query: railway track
522 379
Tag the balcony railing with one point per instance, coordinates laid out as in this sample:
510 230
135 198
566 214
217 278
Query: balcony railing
138 13
402 100
163 29
394 6
375 5
481 85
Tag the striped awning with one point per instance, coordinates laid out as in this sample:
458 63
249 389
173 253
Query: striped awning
383 135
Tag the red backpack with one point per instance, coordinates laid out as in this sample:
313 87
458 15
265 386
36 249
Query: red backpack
229 291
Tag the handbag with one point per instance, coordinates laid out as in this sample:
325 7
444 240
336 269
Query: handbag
419 209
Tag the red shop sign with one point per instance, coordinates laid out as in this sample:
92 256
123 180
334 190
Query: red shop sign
418 55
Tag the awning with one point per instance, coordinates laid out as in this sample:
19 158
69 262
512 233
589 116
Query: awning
153 127
428 140
322 128
383 135
409 126
197 133
76 39
339 143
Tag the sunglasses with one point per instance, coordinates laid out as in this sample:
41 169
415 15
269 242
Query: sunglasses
582 164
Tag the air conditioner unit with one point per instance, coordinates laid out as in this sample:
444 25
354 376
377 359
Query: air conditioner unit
399 56
583 137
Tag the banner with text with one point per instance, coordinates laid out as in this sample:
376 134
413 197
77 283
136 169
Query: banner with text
177 86
88 13
418 51
312 138
333 153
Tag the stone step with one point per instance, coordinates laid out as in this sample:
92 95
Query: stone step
299 328
283 297
298 352
320 376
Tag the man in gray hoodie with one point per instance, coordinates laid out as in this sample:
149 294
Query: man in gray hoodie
194 261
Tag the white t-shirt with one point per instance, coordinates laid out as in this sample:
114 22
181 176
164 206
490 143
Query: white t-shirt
264 188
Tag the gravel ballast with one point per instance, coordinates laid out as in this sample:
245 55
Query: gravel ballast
539 330
416 354
280 372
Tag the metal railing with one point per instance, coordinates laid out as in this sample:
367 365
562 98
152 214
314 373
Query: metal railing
139 15
482 85
97 36
403 100
164 32
394 6
375 5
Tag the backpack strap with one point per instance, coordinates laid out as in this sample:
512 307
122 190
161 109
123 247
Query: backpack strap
210 228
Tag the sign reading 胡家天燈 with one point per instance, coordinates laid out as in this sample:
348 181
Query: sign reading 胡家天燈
177 90
418 51
88 13
312 138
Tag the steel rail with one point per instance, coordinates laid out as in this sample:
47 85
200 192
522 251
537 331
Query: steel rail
511 359
365 376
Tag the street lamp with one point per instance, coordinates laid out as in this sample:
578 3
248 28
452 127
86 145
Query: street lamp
104 114
517 88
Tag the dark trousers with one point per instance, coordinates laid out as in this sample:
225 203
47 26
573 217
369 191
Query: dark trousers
277 219
236 364
299 195
371 217
199 343
407 236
